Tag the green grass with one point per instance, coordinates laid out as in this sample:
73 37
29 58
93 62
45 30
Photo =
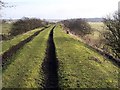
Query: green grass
0 76
25 68
77 67
97 25
9 43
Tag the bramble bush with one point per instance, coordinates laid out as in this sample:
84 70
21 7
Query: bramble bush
77 26
26 24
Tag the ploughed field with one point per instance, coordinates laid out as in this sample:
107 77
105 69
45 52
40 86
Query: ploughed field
50 58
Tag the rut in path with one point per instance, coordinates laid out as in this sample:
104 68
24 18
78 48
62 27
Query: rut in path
9 53
50 64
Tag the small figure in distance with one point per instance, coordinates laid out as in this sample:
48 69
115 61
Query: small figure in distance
67 32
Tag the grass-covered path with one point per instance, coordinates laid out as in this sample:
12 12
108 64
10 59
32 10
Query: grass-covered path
25 69
9 53
56 59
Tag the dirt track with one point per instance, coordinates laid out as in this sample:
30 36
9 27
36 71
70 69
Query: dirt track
50 64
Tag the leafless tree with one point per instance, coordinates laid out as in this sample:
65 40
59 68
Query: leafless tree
113 34
78 26
2 4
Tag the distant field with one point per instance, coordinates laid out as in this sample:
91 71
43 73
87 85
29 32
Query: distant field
97 25
6 27
98 29
96 37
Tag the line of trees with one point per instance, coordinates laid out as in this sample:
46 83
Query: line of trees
77 26
26 24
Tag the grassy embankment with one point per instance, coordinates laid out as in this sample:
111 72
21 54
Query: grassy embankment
80 66
9 43
25 68
4 29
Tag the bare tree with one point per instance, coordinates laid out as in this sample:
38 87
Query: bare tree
113 34
78 26
2 4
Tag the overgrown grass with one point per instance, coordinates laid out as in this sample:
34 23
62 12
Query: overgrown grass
0 75
9 43
25 68
82 67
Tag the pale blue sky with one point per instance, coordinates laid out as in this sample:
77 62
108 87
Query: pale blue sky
59 9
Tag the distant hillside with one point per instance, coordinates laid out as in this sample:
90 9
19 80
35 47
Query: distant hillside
87 19
53 20
94 19
58 20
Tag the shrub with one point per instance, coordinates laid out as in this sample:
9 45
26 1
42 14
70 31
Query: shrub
78 26
25 24
113 34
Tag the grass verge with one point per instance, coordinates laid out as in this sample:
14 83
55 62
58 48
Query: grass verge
81 67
